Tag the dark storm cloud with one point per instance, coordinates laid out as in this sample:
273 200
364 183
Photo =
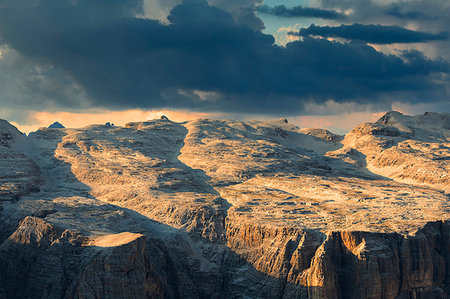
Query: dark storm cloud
431 12
122 61
243 11
396 11
422 15
375 34
300 11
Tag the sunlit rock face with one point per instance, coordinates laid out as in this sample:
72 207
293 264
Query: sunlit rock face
408 149
225 209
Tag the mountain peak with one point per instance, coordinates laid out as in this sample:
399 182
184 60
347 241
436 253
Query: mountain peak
56 125
389 117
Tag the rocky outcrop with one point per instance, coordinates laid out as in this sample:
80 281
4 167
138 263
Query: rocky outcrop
33 260
226 209
56 125
280 262
41 261
348 264
118 271
322 134
19 175
409 149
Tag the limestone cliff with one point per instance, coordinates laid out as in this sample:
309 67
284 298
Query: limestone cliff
226 209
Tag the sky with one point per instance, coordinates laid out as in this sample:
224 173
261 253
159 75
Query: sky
320 63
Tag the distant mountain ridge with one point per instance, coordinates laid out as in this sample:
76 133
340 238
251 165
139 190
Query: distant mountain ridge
56 125
226 209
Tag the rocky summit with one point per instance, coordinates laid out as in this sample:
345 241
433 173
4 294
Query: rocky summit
226 209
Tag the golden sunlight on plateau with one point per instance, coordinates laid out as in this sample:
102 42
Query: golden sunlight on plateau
224 149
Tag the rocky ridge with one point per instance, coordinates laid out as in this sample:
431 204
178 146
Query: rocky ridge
408 149
222 208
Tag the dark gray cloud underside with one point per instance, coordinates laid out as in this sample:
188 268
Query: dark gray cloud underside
300 11
396 11
422 13
375 34
122 61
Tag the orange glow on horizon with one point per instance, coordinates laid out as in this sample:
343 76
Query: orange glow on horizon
345 122
119 118
335 123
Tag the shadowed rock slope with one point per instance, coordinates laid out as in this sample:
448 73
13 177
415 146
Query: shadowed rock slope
226 209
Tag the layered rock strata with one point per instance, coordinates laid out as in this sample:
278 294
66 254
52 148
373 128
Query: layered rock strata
226 209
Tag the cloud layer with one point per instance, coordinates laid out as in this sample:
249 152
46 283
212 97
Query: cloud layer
374 34
300 11
204 60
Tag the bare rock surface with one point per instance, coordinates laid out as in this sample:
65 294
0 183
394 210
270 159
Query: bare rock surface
407 149
19 175
226 209
273 174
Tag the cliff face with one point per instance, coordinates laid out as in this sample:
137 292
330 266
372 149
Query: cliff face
226 209
348 264
40 260
19 175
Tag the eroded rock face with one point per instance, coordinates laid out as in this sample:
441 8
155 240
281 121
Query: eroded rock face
32 260
409 149
19 175
348 264
41 261
118 270
226 209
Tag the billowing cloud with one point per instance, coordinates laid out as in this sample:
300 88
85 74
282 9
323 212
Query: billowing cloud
374 34
300 11
423 14
159 9
413 9
202 60
419 15
242 11
25 83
